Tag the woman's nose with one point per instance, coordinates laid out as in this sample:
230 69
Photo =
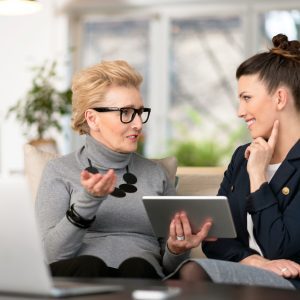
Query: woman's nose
137 122
240 111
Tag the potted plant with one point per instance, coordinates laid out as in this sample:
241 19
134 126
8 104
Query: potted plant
41 109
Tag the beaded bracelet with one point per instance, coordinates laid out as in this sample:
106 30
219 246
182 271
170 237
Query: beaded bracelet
76 219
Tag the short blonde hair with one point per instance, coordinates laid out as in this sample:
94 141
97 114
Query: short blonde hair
90 85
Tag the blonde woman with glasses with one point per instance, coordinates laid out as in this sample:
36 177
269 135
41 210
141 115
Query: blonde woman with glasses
89 202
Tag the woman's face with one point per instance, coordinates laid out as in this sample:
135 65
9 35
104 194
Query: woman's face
257 107
108 128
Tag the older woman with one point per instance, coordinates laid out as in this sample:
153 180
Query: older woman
89 202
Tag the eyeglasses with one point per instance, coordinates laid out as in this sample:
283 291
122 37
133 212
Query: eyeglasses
127 114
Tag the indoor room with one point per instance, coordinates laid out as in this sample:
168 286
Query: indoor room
187 52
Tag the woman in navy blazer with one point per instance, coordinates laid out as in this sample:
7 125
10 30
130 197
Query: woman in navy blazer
262 181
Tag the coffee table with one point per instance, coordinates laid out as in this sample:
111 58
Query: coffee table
203 291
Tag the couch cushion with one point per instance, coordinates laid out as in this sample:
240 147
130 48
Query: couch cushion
34 162
169 163
199 180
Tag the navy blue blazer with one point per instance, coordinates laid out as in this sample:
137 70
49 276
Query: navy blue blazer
275 211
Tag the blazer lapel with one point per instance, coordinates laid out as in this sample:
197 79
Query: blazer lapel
286 170
283 174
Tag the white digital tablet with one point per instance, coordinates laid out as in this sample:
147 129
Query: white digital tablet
161 210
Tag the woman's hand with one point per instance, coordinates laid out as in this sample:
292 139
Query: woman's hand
181 238
259 154
282 267
98 184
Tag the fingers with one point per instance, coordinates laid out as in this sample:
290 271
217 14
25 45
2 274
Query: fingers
274 135
180 227
260 143
203 233
107 183
84 175
283 267
247 152
187 230
289 269
98 184
174 245
172 231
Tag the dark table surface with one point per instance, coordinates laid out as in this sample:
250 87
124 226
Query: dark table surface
203 291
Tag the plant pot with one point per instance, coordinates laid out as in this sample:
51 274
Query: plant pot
47 145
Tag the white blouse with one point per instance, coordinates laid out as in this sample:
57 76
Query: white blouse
271 170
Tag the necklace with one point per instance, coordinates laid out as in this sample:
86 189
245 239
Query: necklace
124 188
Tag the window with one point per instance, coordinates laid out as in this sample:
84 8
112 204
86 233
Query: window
204 55
289 25
109 40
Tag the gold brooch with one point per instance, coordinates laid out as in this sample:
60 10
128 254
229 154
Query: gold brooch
285 190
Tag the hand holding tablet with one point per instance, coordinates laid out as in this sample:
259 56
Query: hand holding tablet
181 238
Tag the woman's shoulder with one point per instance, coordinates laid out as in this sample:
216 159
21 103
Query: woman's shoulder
62 163
147 164
142 160
238 158
164 167
63 159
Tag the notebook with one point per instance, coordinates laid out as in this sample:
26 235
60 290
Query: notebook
22 262
161 210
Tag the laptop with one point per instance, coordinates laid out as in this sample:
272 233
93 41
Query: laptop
161 210
22 261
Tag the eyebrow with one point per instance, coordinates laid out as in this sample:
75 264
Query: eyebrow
241 94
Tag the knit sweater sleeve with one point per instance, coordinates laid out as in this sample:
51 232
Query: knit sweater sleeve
170 260
61 239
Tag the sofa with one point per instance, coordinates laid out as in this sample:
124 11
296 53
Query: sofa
189 180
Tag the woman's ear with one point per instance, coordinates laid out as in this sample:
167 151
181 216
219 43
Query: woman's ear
282 98
91 119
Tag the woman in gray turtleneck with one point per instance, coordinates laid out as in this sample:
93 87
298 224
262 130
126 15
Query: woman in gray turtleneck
89 204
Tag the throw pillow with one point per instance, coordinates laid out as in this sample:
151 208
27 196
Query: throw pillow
34 163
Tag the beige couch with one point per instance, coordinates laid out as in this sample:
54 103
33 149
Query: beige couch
191 180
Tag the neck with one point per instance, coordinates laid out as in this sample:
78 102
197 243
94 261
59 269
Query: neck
103 157
288 136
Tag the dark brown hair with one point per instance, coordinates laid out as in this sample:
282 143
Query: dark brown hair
279 66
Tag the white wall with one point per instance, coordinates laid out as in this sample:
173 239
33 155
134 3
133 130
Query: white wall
26 41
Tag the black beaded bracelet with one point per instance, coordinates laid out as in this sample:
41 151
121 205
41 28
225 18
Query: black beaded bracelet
76 219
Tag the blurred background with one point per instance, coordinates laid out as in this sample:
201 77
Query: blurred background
187 52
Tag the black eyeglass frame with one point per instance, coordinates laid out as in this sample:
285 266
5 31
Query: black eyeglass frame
122 110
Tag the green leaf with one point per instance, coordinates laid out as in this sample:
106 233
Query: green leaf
42 107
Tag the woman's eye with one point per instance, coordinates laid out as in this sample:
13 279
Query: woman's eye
125 112
246 98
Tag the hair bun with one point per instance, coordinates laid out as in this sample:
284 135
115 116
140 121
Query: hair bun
280 41
286 48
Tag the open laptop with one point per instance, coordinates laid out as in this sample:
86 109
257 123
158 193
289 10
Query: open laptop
161 210
22 261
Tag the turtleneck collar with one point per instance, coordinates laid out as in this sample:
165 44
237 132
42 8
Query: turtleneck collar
104 158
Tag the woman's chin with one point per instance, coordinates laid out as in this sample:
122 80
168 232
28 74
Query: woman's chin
256 135
128 149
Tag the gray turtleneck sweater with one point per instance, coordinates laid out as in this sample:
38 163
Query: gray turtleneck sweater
121 229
